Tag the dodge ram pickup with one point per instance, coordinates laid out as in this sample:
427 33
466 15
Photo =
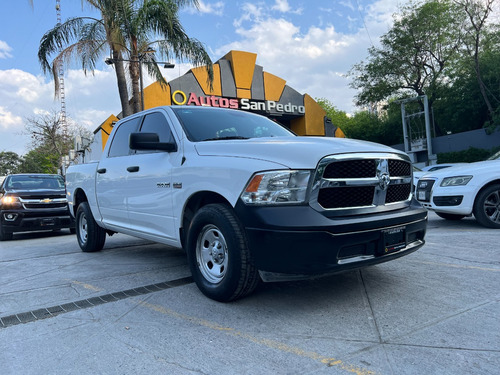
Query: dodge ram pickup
246 198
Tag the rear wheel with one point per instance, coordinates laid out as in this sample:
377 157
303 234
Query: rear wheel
90 236
450 216
487 207
219 258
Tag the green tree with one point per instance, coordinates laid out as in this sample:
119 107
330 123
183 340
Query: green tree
10 162
414 55
476 38
48 142
339 118
40 160
129 29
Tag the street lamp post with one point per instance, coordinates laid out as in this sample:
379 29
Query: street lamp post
166 65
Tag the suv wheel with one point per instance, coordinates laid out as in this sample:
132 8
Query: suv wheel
487 207
4 236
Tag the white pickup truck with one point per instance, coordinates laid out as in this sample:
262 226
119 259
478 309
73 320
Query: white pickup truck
247 199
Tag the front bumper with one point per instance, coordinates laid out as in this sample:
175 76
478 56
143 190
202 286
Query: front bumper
22 221
297 242
457 200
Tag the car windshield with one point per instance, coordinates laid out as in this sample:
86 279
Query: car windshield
209 124
35 182
494 156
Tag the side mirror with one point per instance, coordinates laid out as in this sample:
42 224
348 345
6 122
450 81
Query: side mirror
150 141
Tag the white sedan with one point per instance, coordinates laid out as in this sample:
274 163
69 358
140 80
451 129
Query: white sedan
460 191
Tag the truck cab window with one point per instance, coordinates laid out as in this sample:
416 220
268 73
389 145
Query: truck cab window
157 123
120 145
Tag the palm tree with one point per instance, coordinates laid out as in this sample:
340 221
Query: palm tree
129 29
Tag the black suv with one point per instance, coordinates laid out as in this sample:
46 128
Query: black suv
30 202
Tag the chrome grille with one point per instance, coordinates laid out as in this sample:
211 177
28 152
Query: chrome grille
44 202
362 183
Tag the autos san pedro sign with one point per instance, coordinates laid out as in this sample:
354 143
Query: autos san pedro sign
181 98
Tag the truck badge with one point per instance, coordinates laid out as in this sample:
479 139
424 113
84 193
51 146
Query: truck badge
384 180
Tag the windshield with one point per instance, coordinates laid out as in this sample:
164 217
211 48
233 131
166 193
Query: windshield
495 156
208 124
35 182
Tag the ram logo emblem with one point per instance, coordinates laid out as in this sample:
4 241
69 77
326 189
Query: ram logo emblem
384 180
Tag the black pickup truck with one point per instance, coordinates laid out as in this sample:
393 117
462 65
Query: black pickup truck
31 202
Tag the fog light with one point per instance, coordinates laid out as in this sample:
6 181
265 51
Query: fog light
10 217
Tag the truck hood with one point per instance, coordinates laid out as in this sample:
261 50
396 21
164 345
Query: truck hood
291 152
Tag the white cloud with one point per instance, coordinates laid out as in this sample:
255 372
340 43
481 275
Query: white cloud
206 7
8 119
313 60
89 101
5 50
284 7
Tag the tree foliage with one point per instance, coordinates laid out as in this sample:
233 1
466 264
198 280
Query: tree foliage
10 162
414 55
445 49
130 30
48 142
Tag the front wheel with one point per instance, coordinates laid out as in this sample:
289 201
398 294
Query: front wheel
218 254
487 207
90 236
4 236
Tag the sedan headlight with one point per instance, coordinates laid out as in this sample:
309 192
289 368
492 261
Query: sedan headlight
277 187
456 181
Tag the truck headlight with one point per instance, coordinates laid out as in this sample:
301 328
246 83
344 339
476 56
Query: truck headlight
10 200
456 181
277 187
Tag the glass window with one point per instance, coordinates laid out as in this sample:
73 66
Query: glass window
120 144
35 182
204 124
157 123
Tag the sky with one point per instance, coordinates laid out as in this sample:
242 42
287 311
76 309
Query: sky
311 44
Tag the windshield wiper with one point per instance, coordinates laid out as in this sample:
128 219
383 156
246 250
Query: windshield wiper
225 138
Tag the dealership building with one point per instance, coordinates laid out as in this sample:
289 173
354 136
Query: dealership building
239 83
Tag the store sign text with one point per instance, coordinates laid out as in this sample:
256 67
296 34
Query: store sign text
245 104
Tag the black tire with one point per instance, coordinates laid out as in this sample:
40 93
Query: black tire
487 207
5 236
450 216
90 236
218 254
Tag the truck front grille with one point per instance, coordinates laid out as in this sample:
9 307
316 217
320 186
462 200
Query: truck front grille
44 202
362 183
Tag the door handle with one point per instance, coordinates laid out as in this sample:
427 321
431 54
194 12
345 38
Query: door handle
101 170
135 168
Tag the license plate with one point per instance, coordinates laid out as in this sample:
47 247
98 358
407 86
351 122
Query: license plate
47 222
421 195
394 239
